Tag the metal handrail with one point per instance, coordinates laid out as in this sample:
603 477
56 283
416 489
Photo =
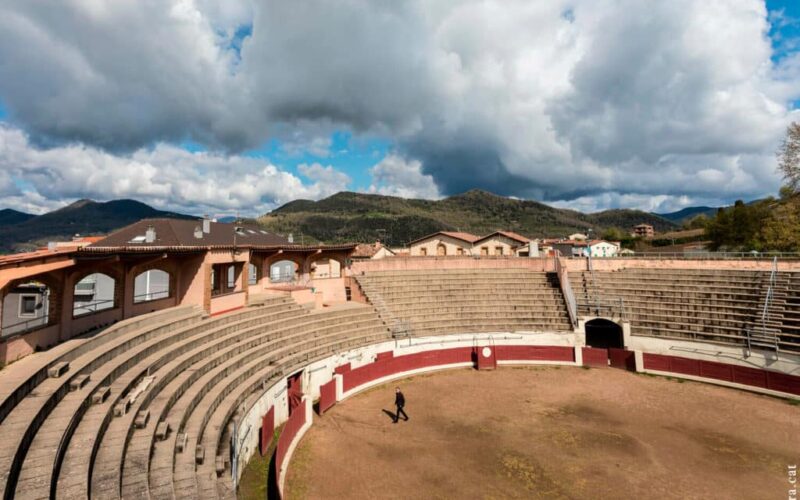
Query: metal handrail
91 307
703 256
43 319
566 289
158 295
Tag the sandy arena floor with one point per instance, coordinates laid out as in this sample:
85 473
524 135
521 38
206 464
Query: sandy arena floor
549 432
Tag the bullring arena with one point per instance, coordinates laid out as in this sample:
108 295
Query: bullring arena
230 379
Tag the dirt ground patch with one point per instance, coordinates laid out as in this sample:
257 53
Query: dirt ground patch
550 432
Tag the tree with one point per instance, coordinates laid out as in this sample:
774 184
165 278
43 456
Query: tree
789 157
781 230
697 222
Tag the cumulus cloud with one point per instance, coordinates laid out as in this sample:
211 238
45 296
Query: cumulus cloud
394 176
166 176
559 100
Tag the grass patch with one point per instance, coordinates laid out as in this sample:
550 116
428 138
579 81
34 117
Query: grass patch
254 484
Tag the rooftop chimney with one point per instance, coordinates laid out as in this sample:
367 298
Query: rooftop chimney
206 224
291 238
198 232
150 234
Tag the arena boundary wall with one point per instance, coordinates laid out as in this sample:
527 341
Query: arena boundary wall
338 377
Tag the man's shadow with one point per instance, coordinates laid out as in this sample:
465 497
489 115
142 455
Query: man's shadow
390 413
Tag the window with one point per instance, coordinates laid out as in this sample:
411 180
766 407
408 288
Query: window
231 277
498 250
459 251
441 249
152 285
484 250
252 275
94 293
423 251
27 306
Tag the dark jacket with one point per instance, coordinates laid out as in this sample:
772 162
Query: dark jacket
399 400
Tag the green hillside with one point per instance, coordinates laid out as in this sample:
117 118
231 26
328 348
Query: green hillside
84 217
350 216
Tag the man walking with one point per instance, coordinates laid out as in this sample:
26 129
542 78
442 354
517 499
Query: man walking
399 402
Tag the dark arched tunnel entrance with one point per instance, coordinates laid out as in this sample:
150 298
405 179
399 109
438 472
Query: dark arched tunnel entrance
604 334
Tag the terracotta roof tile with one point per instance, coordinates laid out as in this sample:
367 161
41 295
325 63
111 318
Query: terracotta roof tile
181 233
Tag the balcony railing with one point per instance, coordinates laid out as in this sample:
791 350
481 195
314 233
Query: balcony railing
92 307
25 326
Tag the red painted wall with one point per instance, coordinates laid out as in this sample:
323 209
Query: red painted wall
290 430
327 396
535 353
622 359
385 365
388 366
593 356
722 371
267 430
342 369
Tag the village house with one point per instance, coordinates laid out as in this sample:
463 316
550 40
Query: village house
442 244
371 251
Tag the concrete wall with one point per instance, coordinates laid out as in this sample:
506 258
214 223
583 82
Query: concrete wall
424 263
617 263
227 302
332 289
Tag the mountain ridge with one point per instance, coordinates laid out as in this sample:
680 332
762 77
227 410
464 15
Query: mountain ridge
84 217
350 216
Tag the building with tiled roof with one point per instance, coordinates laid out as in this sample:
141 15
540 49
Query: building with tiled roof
73 287
449 243
365 251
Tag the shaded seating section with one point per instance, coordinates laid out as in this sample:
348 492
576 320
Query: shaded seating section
709 305
435 302
146 405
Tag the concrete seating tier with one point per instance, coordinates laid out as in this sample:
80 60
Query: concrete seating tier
107 424
219 333
322 335
719 306
442 301
187 395
25 419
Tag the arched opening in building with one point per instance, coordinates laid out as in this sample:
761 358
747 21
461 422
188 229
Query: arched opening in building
441 250
93 294
604 334
26 307
283 271
151 285
252 274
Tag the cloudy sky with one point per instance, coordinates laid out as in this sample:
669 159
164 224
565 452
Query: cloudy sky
216 107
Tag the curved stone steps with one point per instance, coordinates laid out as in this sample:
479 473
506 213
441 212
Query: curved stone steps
236 391
141 439
20 378
184 466
41 464
75 470
25 419
162 455
215 437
